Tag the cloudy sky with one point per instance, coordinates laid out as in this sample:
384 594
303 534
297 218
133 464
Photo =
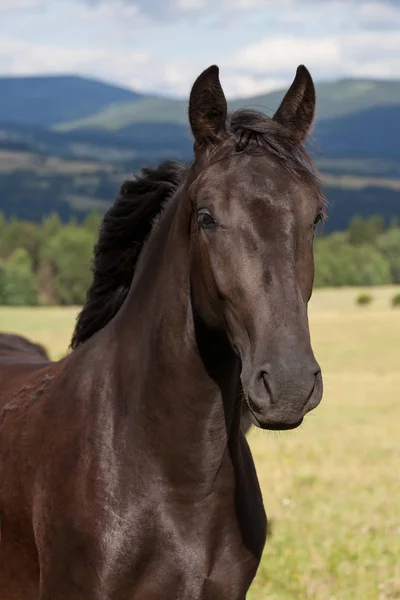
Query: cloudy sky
161 45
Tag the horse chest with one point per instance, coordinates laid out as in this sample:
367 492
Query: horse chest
199 558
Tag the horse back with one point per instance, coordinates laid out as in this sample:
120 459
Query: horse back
11 343
19 371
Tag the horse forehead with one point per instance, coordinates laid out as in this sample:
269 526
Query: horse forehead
248 176
255 196
256 188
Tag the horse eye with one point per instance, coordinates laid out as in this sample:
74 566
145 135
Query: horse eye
318 219
205 219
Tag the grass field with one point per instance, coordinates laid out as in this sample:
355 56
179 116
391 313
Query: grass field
331 488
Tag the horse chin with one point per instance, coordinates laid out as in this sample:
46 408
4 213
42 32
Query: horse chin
272 425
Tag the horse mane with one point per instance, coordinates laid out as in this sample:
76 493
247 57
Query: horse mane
128 223
123 232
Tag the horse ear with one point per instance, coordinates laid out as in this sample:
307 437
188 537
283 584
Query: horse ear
297 109
207 108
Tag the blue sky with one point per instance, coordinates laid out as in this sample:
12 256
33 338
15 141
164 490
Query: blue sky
161 45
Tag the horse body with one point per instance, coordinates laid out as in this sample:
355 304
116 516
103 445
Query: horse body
21 381
124 471
12 344
153 523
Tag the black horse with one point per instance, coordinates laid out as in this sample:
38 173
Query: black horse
124 472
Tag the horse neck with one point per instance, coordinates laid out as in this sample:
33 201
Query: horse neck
179 381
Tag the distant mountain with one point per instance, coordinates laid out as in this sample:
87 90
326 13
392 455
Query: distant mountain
147 141
354 117
337 98
119 116
371 132
33 185
46 101
334 99
67 143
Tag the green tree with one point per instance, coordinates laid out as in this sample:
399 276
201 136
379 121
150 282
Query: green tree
23 234
70 252
365 231
92 223
3 231
357 232
51 225
17 281
389 246
348 265
377 226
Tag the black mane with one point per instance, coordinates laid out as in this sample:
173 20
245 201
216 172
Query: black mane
129 221
124 230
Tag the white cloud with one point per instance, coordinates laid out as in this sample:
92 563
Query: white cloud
237 85
379 14
130 68
248 5
18 58
18 5
108 10
172 9
280 54
263 66
188 5
138 70
161 9
267 63
374 54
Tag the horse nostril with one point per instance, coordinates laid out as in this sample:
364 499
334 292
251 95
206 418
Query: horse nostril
264 376
316 392
317 378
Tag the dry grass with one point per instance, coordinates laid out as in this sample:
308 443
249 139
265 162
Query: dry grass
51 327
331 488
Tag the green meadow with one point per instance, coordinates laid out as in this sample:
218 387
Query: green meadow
332 487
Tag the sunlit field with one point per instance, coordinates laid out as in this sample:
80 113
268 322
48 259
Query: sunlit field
331 488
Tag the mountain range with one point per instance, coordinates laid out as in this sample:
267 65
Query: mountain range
355 139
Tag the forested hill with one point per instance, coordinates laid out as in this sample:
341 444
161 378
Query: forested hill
46 101
66 143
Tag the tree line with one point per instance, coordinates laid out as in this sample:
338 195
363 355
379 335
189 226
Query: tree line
367 254
46 263
49 263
